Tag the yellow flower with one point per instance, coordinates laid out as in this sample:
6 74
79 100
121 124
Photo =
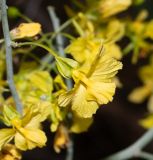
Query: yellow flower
86 25
93 88
38 84
112 7
25 131
115 30
26 30
84 48
61 139
10 152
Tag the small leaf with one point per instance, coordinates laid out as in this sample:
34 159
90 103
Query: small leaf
65 66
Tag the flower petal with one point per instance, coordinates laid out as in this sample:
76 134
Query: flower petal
139 94
5 136
80 104
101 92
80 124
30 138
106 69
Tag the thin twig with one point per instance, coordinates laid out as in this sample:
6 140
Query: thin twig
9 63
135 148
70 151
60 47
56 25
59 38
145 155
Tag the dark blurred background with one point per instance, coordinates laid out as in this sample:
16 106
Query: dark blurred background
116 124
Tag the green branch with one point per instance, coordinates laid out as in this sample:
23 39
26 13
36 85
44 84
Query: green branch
9 63
51 51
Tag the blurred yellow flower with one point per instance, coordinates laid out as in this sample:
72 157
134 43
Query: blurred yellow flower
10 152
139 94
61 139
38 84
147 122
149 30
26 30
111 7
115 30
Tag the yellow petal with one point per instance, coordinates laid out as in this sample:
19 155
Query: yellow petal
26 30
106 69
83 48
80 104
139 94
36 114
101 92
41 80
149 30
114 32
56 116
27 139
65 98
114 51
147 122
7 157
80 124
5 136
112 7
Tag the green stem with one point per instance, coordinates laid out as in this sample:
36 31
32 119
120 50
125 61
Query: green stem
128 48
51 51
132 150
63 26
77 27
9 62
25 18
